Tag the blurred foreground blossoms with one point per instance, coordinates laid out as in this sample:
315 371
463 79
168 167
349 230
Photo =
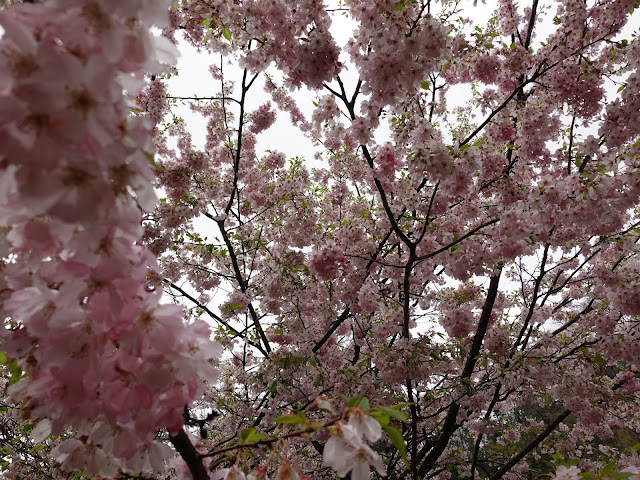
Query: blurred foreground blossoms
96 351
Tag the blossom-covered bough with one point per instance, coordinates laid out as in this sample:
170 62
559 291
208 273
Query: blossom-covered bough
449 291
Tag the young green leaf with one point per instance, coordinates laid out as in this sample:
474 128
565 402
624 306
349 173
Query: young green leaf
397 439
293 418
394 413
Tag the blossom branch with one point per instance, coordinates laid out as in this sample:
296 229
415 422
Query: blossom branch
270 440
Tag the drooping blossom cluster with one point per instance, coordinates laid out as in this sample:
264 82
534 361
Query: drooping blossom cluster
99 353
262 118
387 163
327 262
389 67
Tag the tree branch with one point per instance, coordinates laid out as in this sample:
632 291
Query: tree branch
531 445
450 425
190 455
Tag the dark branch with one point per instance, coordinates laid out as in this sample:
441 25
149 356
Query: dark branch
190 455
531 445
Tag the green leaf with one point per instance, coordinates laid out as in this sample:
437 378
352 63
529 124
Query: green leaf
399 6
3 358
610 471
382 418
16 372
425 85
359 401
397 439
621 87
226 33
293 418
245 433
249 435
343 397
395 413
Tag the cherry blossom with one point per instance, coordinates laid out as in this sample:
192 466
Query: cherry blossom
327 262
347 452
287 472
564 473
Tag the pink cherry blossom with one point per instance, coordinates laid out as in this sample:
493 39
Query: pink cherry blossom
347 452
564 473
262 118
287 472
326 263
363 425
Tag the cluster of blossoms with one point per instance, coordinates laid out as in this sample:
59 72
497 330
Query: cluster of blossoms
327 262
262 118
389 67
295 36
99 353
387 163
